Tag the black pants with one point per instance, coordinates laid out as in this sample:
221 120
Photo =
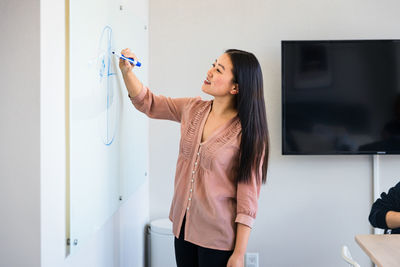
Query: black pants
191 255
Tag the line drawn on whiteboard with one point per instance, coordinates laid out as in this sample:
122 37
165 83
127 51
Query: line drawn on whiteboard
107 83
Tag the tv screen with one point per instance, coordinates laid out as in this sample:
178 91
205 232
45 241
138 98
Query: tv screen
341 97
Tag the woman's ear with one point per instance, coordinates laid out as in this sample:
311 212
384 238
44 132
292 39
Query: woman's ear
235 89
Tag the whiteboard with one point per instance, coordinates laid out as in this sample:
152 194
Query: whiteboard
107 137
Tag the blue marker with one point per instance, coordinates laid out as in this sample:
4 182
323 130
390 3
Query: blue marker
131 60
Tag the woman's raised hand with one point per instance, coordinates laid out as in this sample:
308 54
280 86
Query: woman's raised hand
132 83
125 65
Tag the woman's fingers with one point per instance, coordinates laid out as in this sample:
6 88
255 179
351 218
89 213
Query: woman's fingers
128 53
126 50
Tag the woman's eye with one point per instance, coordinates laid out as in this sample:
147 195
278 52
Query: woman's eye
217 69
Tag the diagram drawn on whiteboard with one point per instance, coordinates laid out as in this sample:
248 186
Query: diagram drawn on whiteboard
108 82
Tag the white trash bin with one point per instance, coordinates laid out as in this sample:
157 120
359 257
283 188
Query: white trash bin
162 252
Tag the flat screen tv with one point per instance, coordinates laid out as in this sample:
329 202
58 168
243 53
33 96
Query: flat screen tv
341 97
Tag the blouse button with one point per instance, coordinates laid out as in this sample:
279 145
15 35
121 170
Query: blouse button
187 208
192 181
198 153
191 190
195 163
190 199
193 171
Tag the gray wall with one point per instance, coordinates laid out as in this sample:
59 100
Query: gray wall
311 205
19 133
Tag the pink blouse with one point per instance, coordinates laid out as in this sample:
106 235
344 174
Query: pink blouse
204 187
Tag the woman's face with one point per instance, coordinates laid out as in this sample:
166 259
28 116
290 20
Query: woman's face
219 81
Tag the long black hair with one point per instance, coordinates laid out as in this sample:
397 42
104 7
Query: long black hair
251 111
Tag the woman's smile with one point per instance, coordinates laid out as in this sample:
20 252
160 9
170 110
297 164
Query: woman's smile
207 82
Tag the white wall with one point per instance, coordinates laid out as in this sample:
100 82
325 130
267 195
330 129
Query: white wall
121 240
32 154
311 205
19 133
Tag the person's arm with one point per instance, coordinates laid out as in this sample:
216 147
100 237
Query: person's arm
132 83
384 210
247 205
154 106
393 219
242 238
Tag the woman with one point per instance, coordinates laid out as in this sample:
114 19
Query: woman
222 160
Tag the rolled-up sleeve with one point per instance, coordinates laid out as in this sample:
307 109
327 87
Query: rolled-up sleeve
160 107
247 199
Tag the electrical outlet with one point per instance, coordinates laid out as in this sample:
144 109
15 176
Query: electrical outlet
251 260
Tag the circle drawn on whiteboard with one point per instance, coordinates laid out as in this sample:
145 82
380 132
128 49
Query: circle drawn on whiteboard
108 86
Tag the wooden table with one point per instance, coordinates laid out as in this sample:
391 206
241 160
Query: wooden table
384 250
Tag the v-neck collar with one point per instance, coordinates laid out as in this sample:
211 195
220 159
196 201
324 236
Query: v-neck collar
217 131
